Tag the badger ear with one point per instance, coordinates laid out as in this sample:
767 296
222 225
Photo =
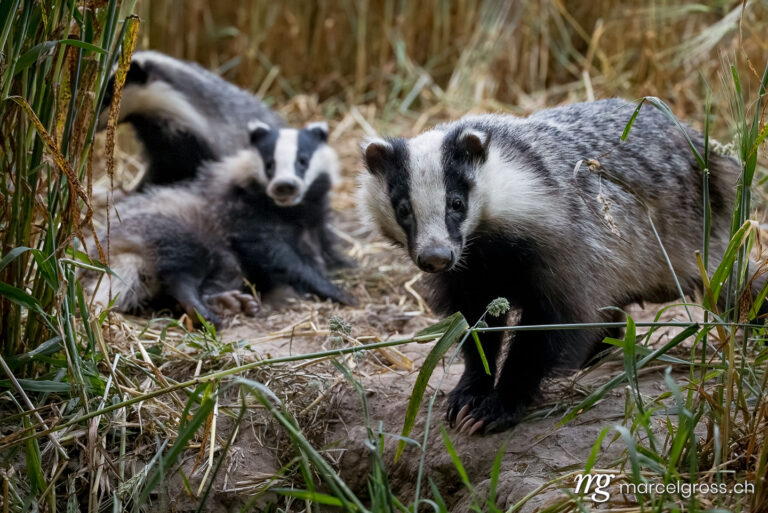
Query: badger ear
257 129
376 152
319 128
475 143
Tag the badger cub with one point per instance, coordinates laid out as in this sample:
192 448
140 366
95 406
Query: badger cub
183 115
195 244
495 206
300 169
186 116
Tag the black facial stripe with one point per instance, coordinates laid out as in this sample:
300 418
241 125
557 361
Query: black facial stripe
458 176
307 144
266 146
397 171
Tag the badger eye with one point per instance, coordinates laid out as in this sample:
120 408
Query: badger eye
456 204
303 161
270 164
403 211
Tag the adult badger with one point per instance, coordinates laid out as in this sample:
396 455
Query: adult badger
498 206
167 248
186 116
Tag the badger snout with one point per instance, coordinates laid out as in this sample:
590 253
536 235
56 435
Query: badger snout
435 259
285 191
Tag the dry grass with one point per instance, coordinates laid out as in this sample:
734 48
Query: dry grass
407 57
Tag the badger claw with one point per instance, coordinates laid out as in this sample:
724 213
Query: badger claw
490 415
463 399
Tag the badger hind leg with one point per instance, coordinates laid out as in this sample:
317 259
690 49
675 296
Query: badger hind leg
231 302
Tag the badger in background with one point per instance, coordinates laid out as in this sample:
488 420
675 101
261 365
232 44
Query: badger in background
498 206
300 170
167 251
185 116
196 244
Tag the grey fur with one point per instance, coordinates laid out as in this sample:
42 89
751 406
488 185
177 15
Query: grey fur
192 242
654 166
556 218
226 108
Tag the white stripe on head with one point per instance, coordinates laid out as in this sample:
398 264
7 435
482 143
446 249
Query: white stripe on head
286 149
324 161
427 189
509 194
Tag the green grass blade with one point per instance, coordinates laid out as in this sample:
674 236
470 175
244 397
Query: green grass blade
456 327
632 119
723 270
480 351
596 447
598 394
187 431
12 255
495 472
306 495
455 459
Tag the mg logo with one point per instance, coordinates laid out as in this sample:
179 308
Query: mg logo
599 492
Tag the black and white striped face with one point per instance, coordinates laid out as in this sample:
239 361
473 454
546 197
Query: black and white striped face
420 192
294 159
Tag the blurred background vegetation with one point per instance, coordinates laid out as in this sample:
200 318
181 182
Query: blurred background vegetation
411 56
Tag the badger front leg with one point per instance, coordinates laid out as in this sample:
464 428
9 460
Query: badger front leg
532 356
270 260
185 290
306 278
333 258
475 384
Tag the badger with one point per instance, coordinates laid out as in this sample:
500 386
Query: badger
166 250
185 116
300 171
198 244
551 212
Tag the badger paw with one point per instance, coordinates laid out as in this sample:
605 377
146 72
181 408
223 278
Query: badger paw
489 415
341 296
465 397
345 298
232 302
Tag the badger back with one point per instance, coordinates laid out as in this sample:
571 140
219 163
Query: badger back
561 180
163 94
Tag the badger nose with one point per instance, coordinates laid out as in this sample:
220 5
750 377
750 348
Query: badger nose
435 259
284 190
